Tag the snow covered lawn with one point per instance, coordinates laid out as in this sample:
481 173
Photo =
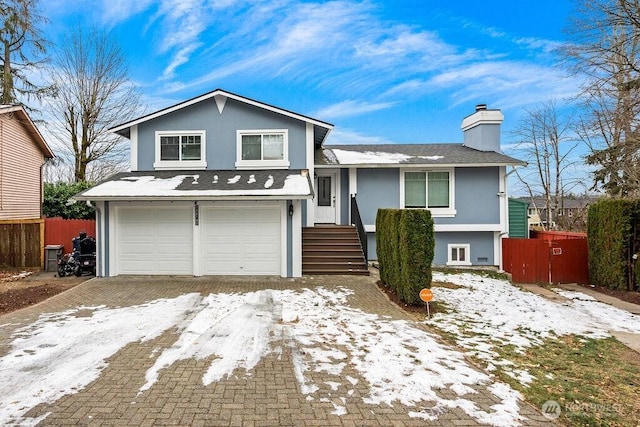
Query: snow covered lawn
61 353
487 313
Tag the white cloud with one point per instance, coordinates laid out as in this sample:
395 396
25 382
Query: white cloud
350 137
351 108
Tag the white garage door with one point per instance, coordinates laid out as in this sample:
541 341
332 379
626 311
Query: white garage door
155 240
241 240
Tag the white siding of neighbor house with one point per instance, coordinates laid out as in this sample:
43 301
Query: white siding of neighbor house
20 171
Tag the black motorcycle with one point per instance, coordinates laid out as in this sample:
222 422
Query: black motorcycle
81 260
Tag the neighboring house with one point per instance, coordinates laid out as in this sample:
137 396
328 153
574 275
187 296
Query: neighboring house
23 152
223 184
571 214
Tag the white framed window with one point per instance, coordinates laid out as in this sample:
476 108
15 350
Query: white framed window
458 254
264 149
428 189
180 150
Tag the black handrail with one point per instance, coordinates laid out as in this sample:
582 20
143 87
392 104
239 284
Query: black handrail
357 221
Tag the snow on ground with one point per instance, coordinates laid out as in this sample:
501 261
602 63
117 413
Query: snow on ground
486 313
64 352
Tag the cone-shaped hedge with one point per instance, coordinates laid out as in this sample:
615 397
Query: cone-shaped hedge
405 244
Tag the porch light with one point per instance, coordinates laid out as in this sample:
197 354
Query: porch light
291 209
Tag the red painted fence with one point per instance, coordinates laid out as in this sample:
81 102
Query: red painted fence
557 235
546 261
58 231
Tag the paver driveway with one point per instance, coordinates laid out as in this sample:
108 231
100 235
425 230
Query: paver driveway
361 361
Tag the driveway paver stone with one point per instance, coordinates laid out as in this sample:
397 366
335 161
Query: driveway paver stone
269 395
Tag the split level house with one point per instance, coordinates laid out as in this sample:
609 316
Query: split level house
222 184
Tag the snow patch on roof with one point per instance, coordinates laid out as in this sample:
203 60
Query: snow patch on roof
295 184
368 157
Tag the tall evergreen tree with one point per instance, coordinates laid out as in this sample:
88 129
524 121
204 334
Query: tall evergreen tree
22 50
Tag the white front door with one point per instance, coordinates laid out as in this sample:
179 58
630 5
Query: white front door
326 197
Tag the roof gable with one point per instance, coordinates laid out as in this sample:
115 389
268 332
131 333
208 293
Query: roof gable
29 126
321 129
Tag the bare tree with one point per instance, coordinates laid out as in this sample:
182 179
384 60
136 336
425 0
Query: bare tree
94 93
22 47
606 49
546 142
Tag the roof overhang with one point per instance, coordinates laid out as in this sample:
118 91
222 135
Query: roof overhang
416 165
30 127
202 186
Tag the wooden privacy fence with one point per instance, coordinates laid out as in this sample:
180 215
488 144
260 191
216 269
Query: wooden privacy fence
21 243
546 261
58 231
557 235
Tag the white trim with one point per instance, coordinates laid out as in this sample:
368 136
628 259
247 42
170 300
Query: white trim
283 239
487 117
448 228
228 95
497 250
262 164
504 199
310 145
419 165
296 239
335 174
467 252
197 240
221 101
181 164
100 240
353 190
449 212
134 148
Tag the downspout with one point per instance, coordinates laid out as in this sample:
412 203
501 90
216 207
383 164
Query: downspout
506 202
98 238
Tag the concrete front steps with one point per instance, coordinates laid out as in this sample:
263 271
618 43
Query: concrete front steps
332 249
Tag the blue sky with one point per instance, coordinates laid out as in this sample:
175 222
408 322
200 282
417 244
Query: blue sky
381 71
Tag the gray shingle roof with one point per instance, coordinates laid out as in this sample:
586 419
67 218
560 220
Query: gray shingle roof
402 154
202 185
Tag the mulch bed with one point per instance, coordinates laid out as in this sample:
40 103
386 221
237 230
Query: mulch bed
15 299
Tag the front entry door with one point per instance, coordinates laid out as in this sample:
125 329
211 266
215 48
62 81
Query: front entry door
326 198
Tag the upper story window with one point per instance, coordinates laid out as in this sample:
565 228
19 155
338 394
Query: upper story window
262 148
433 190
180 150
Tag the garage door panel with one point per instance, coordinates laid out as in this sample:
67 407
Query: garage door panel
155 240
241 240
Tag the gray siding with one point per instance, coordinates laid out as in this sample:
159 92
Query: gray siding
377 188
484 137
476 196
345 198
221 132
481 246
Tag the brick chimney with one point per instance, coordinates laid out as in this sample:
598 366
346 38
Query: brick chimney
482 129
